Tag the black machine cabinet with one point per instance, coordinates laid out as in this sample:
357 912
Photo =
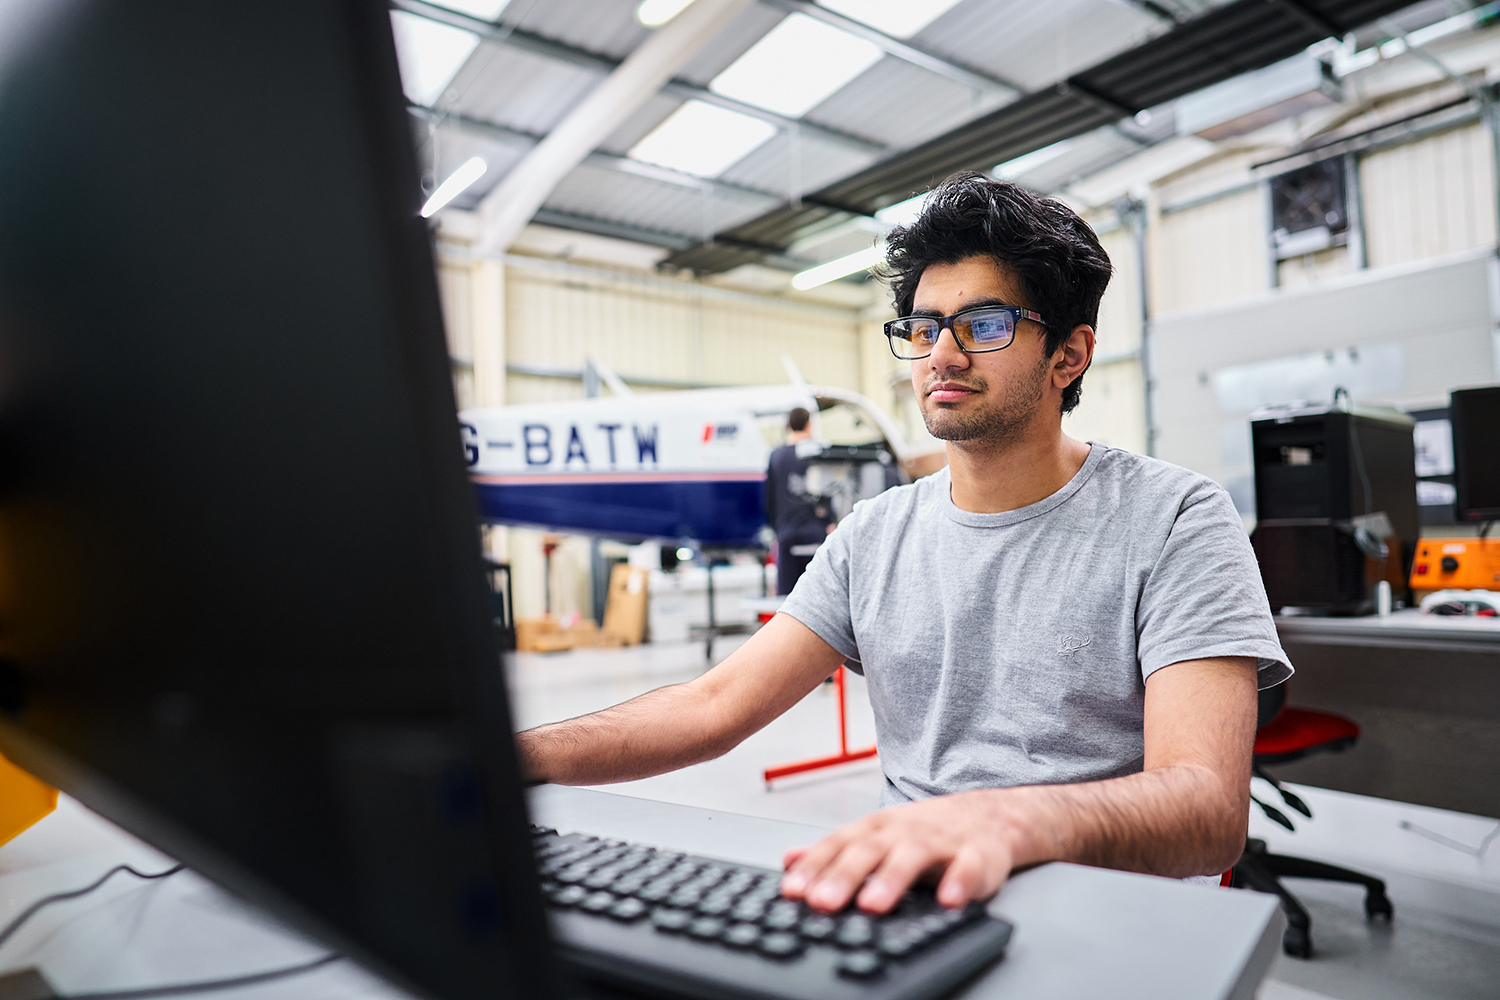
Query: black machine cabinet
1336 506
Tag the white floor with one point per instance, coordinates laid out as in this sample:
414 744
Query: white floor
1443 876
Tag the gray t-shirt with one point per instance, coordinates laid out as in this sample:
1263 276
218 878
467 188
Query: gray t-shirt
1013 648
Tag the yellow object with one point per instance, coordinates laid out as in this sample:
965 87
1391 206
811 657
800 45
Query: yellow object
1456 564
23 800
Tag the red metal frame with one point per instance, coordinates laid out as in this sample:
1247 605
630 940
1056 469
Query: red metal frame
844 756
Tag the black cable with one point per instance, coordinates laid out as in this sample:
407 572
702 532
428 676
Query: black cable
175 989
207 985
30 911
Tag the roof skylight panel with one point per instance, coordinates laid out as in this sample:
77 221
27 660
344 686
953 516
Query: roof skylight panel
897 18
430 53
795 66
702 139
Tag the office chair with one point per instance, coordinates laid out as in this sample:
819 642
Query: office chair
1286 734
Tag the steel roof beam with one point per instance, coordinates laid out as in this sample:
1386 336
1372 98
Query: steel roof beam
500 33
905 51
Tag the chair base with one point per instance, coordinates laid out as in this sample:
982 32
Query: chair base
1260 870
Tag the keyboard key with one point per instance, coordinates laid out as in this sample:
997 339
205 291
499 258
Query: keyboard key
602 878
780 944
669 920
741 936
750 910
628 910
860 964
686 896
707 928
896 945
855 931
655 892
715 905
597 902
628 885
569 895
782 915
817 928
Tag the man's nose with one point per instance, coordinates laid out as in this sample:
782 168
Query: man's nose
946 354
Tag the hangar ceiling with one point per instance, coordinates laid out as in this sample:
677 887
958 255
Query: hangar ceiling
985 82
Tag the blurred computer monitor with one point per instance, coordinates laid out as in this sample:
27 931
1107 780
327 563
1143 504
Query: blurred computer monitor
1475 415
242 606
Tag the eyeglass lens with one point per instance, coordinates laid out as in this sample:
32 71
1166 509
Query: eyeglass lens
983 329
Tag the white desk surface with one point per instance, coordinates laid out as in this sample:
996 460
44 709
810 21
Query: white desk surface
1080 932
1408 628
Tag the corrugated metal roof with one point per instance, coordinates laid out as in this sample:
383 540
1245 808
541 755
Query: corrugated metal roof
608 27
902 105
567 46
1035 44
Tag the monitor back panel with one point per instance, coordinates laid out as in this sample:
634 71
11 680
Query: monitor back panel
242 610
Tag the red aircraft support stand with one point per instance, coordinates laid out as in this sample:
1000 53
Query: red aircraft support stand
844 756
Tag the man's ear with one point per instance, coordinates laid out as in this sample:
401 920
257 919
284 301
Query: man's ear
1073 357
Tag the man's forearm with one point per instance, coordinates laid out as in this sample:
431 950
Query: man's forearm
1174 821
633 740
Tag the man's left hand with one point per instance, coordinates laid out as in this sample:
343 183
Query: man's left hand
967 837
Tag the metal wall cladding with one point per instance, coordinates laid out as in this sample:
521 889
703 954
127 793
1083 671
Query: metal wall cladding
1211 254
1430 197
640 201
665 329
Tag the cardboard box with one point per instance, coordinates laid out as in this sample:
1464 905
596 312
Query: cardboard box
548 635
625 607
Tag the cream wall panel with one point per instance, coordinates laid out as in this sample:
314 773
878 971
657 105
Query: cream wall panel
454 289
1112 409
1210 254
1428 198
1119 328
657 328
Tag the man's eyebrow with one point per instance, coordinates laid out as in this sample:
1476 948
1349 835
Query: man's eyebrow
990 301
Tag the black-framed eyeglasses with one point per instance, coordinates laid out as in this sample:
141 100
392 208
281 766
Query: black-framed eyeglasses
976 329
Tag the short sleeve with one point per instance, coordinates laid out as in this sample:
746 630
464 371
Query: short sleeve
820 600
1204 596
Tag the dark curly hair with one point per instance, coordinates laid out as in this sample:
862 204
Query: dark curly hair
1053 253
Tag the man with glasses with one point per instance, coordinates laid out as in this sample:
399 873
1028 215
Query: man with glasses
1062 640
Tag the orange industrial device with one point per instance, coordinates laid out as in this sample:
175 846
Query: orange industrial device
1456 563
23 800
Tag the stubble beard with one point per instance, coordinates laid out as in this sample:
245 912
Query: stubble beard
997 423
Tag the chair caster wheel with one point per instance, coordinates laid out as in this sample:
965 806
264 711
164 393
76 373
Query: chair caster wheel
1378 904
1297 943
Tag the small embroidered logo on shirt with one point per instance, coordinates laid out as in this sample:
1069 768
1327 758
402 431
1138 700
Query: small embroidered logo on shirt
1069 645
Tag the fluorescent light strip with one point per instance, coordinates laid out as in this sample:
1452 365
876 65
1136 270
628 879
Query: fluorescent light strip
457 182
655 13
702 139
795 66
855 262
897 18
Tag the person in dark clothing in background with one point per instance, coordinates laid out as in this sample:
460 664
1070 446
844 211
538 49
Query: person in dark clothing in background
800 524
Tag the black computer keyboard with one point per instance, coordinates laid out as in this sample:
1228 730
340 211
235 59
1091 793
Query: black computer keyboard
667 922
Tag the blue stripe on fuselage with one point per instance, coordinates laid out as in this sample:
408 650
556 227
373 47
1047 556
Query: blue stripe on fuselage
725 512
